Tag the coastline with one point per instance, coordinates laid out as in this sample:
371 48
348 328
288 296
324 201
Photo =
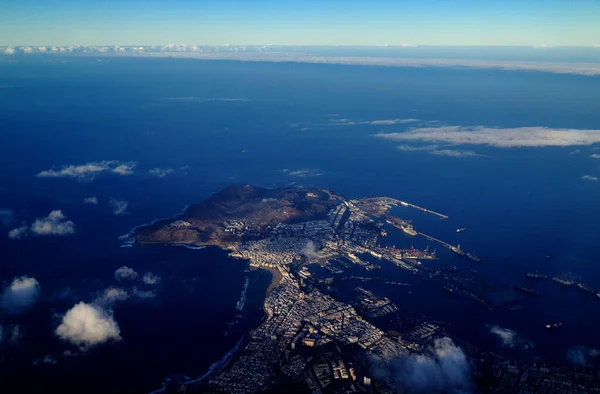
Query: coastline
274 281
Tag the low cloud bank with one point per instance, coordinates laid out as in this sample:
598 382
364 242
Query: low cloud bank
88 171
443 368
497 137
20 295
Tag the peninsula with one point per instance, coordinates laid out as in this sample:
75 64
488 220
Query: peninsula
309 340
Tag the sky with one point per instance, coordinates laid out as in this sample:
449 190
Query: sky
300 22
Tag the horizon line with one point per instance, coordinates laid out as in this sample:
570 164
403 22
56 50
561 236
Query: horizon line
403 45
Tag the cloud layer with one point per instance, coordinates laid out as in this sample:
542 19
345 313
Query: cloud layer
21 294
589 178
497 137
87 325
89 171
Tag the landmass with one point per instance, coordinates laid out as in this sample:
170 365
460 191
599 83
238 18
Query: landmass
309 341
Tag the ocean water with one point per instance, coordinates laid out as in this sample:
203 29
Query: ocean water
221 123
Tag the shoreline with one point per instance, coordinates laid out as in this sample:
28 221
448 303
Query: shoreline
275 280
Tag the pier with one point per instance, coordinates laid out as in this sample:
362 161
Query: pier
407 204
429 237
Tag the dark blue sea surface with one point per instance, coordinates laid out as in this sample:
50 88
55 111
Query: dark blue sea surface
220 123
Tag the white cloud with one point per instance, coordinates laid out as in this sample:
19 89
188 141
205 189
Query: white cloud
383 122
595 156
90 200
498 137
119 206
377 122
151 279
47 359
581 355
442 368
124 169
303 172
143 294
510 339
310 250
125 272
15 335
18 233
9 51
21 294
205 100
507 336
455 153
87 325
55 223
410 148
88 171
111 296
160 172
589 178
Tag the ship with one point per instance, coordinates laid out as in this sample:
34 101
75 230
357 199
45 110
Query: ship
527 290
585 287
474 258
537 275
553 325
461 230
408 229
563 280
456 249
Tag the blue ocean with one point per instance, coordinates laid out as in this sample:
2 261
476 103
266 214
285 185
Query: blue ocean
208 124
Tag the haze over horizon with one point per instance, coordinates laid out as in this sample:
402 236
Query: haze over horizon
292 22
